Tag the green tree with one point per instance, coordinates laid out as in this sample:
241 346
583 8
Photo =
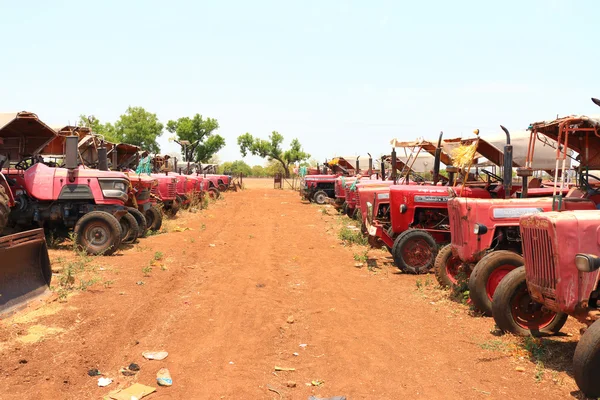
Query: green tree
258 171
139 127
271 150
203 144
107 130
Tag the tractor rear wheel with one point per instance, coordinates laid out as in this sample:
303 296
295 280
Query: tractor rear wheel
515 311
447 267
129 229
140 219
487 275
586 361
320 197
154 218
414 251
4 208
98 233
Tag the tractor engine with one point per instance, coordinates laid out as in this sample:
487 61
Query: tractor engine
429 218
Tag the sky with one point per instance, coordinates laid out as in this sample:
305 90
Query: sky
344 77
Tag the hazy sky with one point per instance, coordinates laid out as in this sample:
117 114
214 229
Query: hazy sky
344 77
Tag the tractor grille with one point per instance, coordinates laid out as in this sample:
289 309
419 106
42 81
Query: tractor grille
357 200
539 260
154 190
456 232
172 188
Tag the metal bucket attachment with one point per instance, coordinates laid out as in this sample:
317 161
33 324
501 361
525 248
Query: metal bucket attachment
25 271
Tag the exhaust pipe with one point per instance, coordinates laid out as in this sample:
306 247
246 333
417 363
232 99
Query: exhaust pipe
382 171
102 158
436 162
394 160
71 153
508 163
357 165
370 164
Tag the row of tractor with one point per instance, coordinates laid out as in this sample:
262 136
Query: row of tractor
528 249
69 180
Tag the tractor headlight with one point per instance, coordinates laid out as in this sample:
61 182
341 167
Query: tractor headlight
587 262
403 208
480 229
114 188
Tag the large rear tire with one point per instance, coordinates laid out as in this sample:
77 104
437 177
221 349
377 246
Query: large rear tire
515 311
154 218
586 361
129 229
98 233
141 221
447 267
487 275
414 251
4 208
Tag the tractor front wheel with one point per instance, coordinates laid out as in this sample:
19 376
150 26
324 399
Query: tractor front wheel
222 187
447 267
414 251
154 218
129 229
98 233
214 193
515 311
487 275
320 197
586 361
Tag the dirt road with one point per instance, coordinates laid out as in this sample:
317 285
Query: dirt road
255 277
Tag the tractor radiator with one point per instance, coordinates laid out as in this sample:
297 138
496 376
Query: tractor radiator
172 189
456 228
539 258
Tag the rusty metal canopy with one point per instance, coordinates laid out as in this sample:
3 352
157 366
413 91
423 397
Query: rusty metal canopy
582 136
23 134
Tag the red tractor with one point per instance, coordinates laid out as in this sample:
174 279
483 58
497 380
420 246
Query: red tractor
319 188
93 153
413 219
486 242
561 274
90 202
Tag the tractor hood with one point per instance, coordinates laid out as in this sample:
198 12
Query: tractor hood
550 243
23 134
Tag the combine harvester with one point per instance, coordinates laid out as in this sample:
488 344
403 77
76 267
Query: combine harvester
26 272
561 274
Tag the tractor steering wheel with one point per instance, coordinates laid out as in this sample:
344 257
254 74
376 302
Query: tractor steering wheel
25 163
584 178
418 178
493 176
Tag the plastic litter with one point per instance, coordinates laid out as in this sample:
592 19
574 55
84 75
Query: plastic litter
102 382
163 377
155 355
